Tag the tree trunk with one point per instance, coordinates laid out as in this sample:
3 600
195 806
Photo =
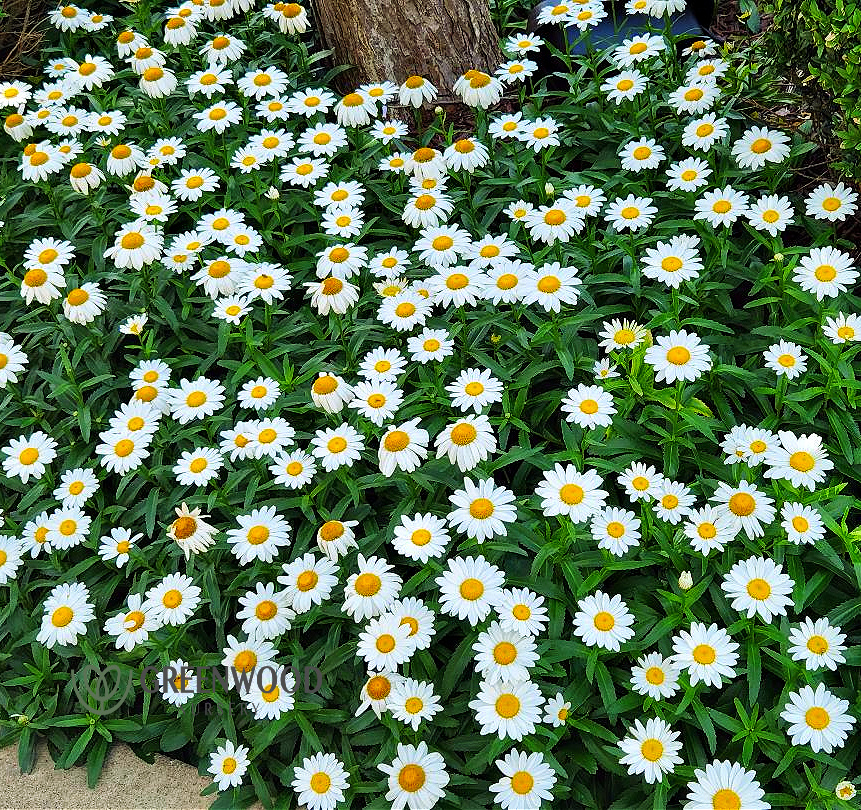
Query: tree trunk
395 39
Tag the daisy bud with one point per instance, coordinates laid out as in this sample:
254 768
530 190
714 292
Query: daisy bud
778 257
686 581
273 193
549 190
844 790
437 110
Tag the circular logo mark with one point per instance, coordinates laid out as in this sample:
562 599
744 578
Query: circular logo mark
102 690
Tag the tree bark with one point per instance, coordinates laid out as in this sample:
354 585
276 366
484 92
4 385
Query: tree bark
395 39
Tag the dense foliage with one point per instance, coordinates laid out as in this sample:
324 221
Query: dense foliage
649 335
815 43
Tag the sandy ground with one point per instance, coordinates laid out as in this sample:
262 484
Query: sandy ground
126 783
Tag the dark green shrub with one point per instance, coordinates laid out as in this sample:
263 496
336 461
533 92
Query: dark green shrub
817 44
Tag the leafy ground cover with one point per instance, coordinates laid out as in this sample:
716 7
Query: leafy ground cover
539 441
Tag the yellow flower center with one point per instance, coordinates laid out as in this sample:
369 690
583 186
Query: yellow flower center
742 504
522 783
704 654
320 782
694 94
172 598
412 778
722 206
571 494
655 676
759 589
831 203
507 706
481 508
367 584
195 399
396 441
726 799
801 461
589 406
324 385
678 355
378 687
816 717
760 145
604 621
640 483
652 749
642 152
62 616
817 645
265 610
615 529
624 85
800 524
307 580
471 589
184 527
257 535
549 284
555 216
245 661
825 272
132 241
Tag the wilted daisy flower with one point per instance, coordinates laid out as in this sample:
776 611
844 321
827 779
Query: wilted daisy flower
688 175
589 406
704 131
191 531
228 764
320 780
710 529
786 359
758 146
817 718
651 750
478 89
801 460
474 389
726 783
509 710
655 676
802 524
831 203
308 581
843 328
825 272
706 653
527 781
771 213
758 586
818 644
603 621
721 206
66 613
223 49
415 91
376 691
